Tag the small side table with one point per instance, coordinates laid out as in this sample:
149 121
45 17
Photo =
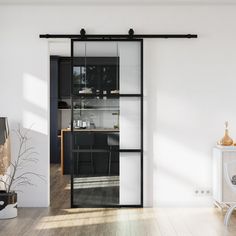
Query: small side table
224 174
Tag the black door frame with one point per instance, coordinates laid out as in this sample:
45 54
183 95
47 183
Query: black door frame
139 95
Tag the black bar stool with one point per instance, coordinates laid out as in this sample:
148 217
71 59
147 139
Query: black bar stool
113 143
84 141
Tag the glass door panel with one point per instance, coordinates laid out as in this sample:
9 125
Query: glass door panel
79 77
96 178
130 123
130 178
96 113
106 123
96 68
130 67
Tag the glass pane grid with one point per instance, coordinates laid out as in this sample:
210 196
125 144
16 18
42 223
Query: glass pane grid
99 74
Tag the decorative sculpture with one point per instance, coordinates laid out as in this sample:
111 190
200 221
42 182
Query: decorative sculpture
226 140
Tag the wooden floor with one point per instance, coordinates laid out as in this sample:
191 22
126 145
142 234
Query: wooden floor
59 219
135 222
59 188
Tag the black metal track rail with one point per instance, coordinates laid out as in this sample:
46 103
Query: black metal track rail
118 36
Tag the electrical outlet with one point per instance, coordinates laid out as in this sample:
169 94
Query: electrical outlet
208 192
202 192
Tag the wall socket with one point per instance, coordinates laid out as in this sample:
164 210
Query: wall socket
202 192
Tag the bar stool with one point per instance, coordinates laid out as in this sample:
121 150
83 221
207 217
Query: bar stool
113 143
84 141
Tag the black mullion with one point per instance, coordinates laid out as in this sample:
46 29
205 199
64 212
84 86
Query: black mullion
141 125
107 150
106 95
108 206
107 40
71 124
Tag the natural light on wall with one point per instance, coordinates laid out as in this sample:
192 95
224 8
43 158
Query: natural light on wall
180 165
35 122
177 172
35 96
35 91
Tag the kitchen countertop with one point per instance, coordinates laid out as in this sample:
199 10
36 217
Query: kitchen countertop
93 130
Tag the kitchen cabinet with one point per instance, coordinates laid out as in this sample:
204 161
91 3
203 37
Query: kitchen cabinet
95 74
64 78
100 76
54 72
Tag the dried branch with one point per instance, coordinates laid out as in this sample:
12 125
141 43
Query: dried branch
23 158
30 173
25 151
25 183
29 154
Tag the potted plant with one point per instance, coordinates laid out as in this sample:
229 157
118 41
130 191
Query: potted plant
16 175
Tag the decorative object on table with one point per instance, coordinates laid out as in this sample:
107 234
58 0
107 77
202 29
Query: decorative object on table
5 150
233 180
86 90
224 177
16 176
226 140
114 91
116 125
63 105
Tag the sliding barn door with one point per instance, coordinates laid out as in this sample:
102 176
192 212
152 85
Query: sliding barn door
106 123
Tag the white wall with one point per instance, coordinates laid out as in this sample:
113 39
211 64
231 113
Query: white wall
189 86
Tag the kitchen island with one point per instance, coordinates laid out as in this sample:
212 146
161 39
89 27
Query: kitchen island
93 151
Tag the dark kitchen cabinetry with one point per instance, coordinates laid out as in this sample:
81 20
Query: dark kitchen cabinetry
95 74
66 149
54 73
64 77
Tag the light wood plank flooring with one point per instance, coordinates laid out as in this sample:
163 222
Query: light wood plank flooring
122 222
59 219
59 188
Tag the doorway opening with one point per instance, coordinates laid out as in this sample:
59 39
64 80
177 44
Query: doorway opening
59 52
96 122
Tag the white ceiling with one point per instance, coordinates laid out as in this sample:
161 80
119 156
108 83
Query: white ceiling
119 2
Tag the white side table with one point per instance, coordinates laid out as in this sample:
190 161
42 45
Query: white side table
224 186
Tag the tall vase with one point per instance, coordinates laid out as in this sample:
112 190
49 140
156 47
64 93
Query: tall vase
5 151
